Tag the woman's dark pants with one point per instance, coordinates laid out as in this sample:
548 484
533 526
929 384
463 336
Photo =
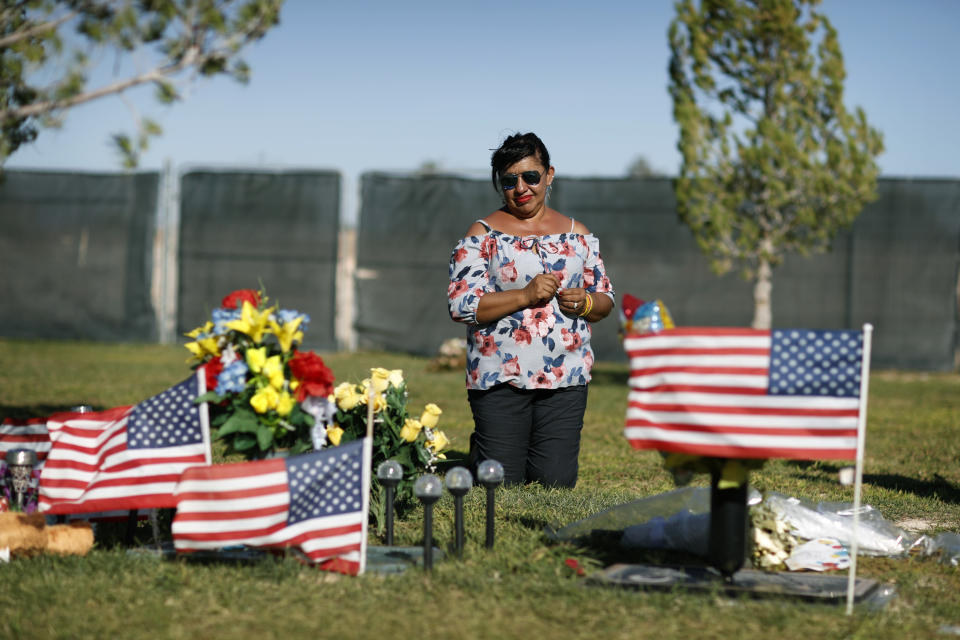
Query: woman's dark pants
533 433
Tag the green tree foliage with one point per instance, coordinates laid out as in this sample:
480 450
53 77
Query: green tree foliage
46 47
772 162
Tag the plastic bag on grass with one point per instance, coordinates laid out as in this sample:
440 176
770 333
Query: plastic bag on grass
945 544
876 536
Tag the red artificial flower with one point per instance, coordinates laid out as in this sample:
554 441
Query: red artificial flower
211 370
314 376
235 299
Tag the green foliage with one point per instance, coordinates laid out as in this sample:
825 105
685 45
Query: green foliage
772 160
413 442
175 36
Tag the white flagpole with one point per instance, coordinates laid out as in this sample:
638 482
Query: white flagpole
204 416
858 481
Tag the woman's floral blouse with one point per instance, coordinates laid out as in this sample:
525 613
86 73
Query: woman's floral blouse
536 347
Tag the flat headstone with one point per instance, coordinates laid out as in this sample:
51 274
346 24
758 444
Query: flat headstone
813 587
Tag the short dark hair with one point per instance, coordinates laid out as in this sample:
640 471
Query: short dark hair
513 150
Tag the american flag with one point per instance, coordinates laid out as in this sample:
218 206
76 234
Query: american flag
316 502
25 434
126 457
746 393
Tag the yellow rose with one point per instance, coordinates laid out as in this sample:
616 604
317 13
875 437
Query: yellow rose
285 403
438 443
347 396
334 434
431 415
395 378
411 429
273 370
265 399
379 403
380 378
256 358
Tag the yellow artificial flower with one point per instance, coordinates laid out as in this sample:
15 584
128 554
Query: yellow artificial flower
273 370
256 358
395 378
264 399
285 404
380 378
207 328
438 443
287 333
431 415
203 348
411 429
252 322
334 434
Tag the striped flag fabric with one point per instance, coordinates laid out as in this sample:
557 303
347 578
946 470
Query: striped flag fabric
316 502
126 457
25 434
746 393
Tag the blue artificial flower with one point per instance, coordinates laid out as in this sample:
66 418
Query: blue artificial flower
221 317
232 378
289 315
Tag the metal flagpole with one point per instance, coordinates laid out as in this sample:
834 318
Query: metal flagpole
858 481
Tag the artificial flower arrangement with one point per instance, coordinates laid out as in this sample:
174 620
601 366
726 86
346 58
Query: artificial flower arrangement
415 443
265 395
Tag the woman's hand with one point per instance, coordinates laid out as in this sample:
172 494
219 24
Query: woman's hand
497 304
541 289
572 301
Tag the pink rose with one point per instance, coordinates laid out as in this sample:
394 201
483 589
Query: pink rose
459 254
488 247
486 344
538 320
508 271
571 341
510 367
457 288
588 278
541 380
521 336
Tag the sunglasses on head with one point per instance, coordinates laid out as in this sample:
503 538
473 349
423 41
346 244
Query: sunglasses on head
509 180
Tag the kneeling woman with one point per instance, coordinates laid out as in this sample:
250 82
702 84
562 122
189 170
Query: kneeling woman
528 281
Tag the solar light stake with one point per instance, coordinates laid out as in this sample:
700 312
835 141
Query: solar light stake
490 475
428 488
389 474
458 482
21 462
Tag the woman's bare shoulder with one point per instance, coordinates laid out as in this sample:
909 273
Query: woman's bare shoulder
579 227
476 229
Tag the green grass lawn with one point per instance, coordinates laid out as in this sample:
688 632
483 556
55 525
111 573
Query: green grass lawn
522 589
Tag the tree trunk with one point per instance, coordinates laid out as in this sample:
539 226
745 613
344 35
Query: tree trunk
762 288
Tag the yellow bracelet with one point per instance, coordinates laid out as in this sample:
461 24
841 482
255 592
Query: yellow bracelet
587 306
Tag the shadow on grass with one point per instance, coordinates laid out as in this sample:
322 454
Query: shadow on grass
939 487
25 412
604 547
